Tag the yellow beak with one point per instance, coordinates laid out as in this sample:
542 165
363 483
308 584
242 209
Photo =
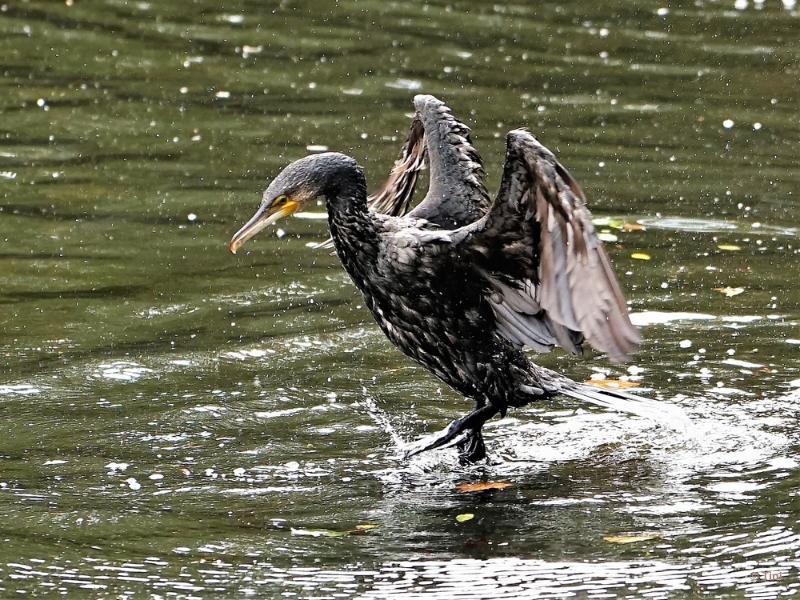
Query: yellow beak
265 215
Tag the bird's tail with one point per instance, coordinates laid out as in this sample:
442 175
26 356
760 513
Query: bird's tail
664 413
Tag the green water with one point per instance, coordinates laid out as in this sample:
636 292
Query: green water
179 422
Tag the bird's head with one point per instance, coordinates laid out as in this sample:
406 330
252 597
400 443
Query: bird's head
294 187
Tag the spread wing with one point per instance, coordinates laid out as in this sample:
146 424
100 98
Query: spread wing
549 279
456 195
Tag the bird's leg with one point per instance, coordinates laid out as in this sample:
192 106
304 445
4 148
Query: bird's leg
473 421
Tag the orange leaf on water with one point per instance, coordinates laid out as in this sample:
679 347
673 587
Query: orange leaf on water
481 487
632 227
612 384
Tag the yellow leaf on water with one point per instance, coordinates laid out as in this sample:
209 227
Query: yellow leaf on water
628 539
641 256
612 384
729 291
729 247
480 487
464 517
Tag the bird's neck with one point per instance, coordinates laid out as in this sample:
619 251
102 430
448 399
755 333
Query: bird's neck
354 232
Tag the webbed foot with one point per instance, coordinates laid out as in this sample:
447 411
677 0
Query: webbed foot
471 447
473 421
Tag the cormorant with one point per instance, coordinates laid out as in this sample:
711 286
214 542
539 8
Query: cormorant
462 284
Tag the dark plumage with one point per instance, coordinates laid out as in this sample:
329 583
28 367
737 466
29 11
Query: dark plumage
461 286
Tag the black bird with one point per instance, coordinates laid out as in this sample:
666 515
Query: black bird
461 284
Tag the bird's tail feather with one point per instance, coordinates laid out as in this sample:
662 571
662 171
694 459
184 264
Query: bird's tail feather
662 412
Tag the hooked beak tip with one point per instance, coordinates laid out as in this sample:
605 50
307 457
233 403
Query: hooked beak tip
239 238
265 215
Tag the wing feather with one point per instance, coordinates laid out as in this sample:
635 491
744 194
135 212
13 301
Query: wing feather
395 194
523 330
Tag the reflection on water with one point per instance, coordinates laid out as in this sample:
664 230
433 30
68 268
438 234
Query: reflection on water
492 578
710 225
183 423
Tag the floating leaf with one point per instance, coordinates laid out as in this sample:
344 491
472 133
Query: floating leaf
481 487
464 517
641 256
729 247
333 533
612 384
729 291
628 539
617 224
632 227
608 222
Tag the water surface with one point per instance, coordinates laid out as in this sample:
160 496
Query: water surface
181 422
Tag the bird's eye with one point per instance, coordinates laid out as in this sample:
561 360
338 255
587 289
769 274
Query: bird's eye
279 200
